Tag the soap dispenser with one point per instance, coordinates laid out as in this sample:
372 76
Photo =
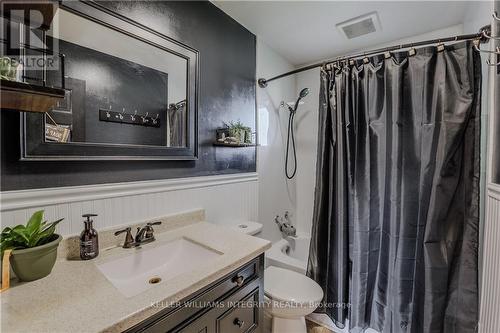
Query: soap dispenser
89 244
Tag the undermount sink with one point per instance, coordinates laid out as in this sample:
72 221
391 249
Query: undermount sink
145 268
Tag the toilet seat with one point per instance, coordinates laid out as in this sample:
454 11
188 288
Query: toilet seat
288 286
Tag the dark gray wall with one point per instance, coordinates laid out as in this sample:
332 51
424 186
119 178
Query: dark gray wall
227 92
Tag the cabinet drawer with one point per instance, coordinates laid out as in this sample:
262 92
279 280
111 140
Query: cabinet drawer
171 319
242 317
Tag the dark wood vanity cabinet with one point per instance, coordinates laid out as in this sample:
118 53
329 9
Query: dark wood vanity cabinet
229 305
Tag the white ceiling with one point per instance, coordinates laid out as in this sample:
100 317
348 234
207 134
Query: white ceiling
304 31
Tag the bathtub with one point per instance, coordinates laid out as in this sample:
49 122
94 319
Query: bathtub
290 253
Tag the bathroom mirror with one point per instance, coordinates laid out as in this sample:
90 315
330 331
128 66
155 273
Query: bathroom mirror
130 94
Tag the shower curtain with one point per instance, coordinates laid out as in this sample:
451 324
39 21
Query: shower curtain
395 228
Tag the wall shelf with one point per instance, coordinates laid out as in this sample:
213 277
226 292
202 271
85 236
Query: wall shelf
27 97
234 145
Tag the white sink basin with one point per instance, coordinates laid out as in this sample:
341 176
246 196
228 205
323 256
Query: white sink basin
144 269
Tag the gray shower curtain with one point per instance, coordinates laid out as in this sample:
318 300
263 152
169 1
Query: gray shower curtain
395 228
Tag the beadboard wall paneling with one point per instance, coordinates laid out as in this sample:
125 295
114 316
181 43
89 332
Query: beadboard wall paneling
490 297
489 311
224 201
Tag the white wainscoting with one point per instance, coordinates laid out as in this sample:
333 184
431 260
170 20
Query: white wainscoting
224 198
490 285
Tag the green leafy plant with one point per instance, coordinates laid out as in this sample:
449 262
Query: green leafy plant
238 130
34 233
8 68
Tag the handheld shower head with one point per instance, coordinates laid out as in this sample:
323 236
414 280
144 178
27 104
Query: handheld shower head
303 93
291 136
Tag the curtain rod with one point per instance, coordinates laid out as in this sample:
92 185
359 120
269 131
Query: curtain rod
486 29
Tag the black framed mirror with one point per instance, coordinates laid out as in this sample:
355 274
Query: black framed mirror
131 93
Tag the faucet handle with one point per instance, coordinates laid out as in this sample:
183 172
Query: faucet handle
287 216
127 230
129 240
150 230
154 223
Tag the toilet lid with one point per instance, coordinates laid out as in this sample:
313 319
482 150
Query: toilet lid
289 286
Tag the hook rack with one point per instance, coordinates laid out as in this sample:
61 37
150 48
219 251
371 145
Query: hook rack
129 118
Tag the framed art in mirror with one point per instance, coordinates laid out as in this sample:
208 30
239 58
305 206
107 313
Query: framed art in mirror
131 92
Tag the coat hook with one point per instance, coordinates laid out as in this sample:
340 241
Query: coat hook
144 118
132 116
108 114
120 114
155 119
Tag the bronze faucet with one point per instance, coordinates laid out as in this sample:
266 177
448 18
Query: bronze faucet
144 235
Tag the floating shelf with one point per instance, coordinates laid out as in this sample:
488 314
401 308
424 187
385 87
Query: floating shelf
26 97
234 145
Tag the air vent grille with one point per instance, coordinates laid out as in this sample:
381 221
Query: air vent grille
360 26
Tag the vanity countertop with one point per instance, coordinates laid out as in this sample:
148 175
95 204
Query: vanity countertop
76 297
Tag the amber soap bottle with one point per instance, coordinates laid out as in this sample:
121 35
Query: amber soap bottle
89 243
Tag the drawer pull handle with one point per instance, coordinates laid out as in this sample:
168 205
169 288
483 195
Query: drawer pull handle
238 279
238 322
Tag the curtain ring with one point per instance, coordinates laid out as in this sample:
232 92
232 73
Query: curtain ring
476 46
489 63
495 16
485 35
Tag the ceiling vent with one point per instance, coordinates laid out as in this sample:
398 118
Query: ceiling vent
360 26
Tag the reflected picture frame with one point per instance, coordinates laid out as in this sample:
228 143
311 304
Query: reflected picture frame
33 143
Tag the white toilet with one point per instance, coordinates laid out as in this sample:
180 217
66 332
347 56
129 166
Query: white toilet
290 296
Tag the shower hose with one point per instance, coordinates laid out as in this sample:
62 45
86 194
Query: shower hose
290 135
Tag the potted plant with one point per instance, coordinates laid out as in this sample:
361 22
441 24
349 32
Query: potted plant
34 247
239 131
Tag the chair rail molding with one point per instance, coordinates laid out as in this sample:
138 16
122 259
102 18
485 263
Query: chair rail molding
12 200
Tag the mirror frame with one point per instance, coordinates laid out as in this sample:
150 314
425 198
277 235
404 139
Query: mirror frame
33 144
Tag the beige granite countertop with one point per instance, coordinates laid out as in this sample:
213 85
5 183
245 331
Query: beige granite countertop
76 297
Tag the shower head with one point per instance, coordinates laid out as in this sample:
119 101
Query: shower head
303 93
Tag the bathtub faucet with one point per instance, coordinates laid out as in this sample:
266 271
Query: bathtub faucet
285 226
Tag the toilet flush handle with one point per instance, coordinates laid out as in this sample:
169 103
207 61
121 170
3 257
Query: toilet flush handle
238 279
